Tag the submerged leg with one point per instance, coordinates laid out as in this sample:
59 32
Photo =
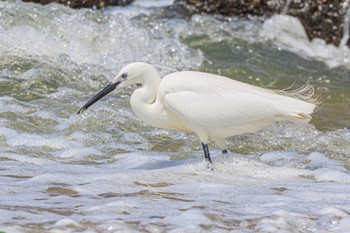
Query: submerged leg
206 152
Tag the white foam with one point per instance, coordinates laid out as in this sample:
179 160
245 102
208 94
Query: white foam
187 221
152 3
185 197
344 225
35 140
332 211
78 153
278 30
9 104
319 160
324 174
106 40
67 222
248 167
7 132
25 158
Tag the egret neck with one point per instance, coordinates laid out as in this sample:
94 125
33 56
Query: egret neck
143 100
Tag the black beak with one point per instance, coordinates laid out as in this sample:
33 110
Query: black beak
109 88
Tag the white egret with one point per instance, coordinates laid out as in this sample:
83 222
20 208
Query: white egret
208 105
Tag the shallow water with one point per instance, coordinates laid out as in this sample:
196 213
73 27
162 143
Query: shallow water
106 171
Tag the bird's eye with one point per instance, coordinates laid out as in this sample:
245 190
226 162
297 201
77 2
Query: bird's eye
124 76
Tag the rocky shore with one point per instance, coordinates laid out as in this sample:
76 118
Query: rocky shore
323 19
98 4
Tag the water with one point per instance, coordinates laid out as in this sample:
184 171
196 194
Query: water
106 171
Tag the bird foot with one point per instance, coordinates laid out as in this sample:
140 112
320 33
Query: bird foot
210 166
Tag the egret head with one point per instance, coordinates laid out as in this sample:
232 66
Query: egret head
130 74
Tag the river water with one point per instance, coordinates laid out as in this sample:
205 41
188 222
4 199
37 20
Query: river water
107 171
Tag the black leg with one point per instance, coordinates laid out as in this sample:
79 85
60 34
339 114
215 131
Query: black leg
224 151
206 152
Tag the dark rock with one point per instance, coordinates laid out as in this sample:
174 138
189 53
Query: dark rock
321 18
234 7
85 3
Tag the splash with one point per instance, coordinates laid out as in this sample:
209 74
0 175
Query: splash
294 39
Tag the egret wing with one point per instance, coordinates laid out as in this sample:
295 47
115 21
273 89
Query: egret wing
214 101
219 110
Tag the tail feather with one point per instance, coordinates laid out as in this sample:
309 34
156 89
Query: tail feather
301 104
302 116
305 93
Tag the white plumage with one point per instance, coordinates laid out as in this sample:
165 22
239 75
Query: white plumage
208 105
